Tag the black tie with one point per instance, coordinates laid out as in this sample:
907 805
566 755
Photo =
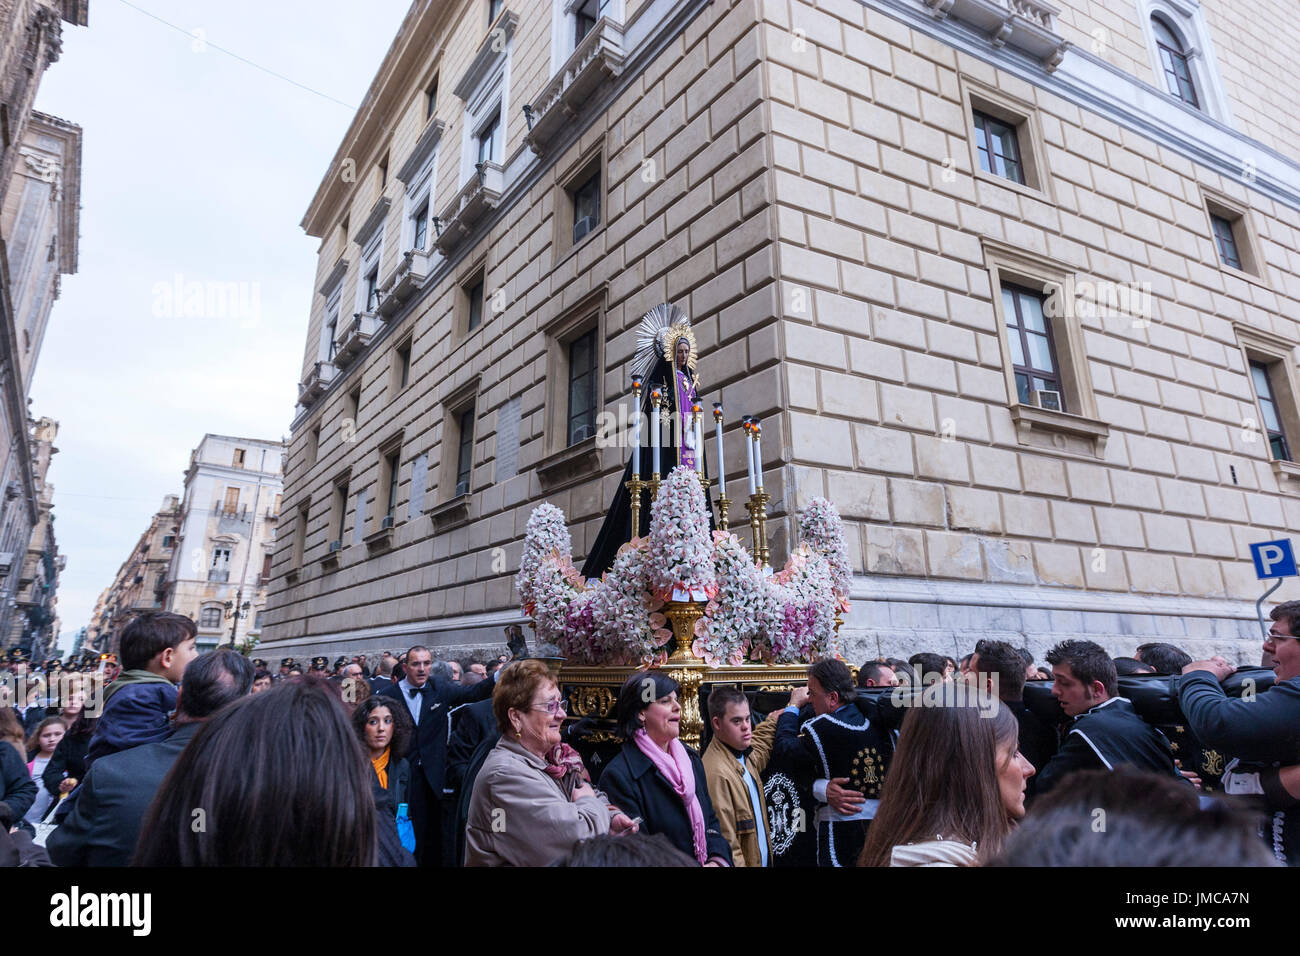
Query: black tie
416 690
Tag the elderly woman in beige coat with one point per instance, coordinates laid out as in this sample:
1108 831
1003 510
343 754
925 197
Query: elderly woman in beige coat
531 803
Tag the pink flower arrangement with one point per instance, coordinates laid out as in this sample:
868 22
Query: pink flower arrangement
545 534
626 625
741 611
805 593
681 558
822 529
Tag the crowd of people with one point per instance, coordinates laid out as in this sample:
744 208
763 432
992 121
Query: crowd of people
187 758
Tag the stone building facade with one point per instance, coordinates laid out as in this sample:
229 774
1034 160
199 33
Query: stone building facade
1013 284
141 580
40 205
229 514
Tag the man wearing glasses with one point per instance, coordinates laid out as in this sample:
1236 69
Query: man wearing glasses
1260 732
429 701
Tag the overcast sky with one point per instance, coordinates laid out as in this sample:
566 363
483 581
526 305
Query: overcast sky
197 166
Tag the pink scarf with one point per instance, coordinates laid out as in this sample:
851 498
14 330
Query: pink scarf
675 767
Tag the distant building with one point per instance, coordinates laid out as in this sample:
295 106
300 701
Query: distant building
141 581
33 622
228 520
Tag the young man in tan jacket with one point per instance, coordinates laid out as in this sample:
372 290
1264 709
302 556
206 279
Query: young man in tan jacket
733 764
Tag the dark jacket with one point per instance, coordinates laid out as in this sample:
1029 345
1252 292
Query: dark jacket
1038 741
428 754
135 714
399 785
1255 736
636 787
104 825
69 760
474 724
17 788
1105 736
1263 730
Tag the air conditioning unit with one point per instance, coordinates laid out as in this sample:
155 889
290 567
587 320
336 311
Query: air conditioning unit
582 227
386 523
336 546
1048 399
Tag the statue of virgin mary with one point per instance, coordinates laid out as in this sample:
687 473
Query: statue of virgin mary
665 359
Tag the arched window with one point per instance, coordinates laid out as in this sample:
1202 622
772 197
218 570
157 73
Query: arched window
1174 62
210 617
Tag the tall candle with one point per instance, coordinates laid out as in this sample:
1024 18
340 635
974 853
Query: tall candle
654 430
698 434
749 454
758 451
722 462
636 426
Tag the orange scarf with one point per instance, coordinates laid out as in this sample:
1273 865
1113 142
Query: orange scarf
380 764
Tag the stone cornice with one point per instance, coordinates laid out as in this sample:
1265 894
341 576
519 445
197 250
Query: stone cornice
488 56
422 151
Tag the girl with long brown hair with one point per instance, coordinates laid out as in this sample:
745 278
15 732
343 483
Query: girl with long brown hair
954 789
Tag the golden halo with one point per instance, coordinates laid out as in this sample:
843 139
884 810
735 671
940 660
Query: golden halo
679 331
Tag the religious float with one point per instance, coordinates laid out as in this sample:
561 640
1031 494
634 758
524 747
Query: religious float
676 589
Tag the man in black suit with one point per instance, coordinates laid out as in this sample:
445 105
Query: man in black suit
428 700
1000 667
104 825
383 678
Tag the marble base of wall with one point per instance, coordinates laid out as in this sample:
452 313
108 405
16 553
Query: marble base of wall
898 617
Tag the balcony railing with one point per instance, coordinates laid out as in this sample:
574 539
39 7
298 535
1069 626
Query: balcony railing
218 575
356 336
597 58
476 199
317 380
406 279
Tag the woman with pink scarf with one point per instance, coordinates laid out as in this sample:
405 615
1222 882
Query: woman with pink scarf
659 779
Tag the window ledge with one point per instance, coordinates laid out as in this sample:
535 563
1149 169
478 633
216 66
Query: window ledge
569 465
1056 426
1033 192
450 513
1284 470
330 562
1252 277
378 541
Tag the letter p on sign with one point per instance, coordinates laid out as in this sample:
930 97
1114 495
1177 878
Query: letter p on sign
1274 559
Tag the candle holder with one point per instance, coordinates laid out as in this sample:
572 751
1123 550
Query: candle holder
654 486
757 506
723 504
634 486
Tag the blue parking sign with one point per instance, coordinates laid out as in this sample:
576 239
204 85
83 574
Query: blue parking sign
1273 559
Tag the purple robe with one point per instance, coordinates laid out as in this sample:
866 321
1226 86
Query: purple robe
686 398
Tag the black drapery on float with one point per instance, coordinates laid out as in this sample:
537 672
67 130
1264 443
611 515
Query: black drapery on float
661 329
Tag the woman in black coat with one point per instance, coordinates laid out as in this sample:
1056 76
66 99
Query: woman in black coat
648 777
385 729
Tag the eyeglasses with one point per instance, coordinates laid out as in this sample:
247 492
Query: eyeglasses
553 707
